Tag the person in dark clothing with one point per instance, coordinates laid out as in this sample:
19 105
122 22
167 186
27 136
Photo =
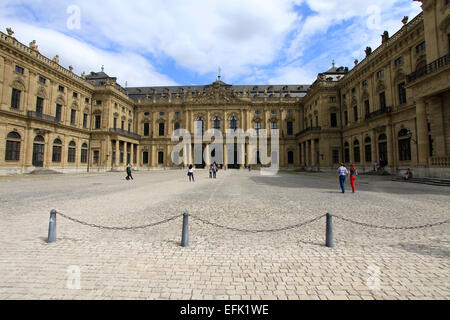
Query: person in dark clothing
129 176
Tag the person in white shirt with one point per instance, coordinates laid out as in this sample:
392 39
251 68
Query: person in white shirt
342 173
191 173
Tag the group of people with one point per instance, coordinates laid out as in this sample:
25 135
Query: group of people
343 173
212 172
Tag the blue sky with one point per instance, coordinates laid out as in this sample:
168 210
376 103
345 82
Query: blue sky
184 42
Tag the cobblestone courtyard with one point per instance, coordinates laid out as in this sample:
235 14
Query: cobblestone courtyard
221 264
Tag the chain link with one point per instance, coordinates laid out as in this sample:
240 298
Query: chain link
118 228
257 231
391 228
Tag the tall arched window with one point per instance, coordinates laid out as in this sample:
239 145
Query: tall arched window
356 152
202 123
57 149
233 123
347 152
216 123
84 152
404 145
368 149
71 152
176 126
12 147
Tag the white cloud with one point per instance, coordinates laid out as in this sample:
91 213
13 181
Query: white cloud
245 38
126 65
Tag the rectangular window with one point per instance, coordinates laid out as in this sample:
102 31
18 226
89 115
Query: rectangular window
121 157
273 125
367 107
75 95
98 122
98 102
380 74
115 123
290 128
333 120
39 105
96 156
86 100
161 129
12 150
421 47
15 99
364 83
19 69
58 112
346 117
85 120
145 157
122 125
355 113
335 156
160 157
60 88
402 93
42 80
129 127
73 115
146 129
382 101
398 62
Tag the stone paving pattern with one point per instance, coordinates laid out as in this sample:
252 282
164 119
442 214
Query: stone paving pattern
221 264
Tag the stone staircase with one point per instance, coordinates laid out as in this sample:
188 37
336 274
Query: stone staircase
428 181
44 171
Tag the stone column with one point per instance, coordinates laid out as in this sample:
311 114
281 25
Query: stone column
125 153
374 147
242 155
225 155
307 162
390 146
437 126
116 160
423 147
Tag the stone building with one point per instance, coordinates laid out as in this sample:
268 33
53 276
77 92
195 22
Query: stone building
391 108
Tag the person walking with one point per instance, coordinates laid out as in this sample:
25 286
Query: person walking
129 176
214 170
191 173
211 171
353 175
342 173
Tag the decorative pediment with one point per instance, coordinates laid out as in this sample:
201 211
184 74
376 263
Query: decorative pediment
381 86
41 93
216 94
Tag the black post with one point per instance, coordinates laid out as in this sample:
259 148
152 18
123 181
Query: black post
52 227
185 232
329 242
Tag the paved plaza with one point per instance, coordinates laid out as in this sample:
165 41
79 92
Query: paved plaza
92 263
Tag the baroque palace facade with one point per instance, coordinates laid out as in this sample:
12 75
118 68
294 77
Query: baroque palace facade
393 108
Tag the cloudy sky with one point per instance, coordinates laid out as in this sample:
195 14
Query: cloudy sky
184 42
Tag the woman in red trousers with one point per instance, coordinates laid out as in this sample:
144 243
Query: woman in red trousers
353 175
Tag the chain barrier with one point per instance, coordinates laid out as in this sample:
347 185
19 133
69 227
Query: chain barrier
118 228
391 228
257 231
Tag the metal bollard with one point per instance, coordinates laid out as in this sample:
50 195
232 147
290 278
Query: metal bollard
329 242
185 232
52 227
